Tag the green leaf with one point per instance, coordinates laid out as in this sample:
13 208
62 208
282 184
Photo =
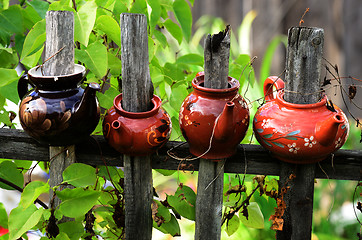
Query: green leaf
74 229
232 225
172 227
165 172
193 59
80 175
34 39
3 216
33 60
77 202
161 38
109 26
40 6
139 6
106 99
111 173
183 202
32 191
184 17
114 64
8 58
11 20
9 172
84 21
155 13
255 219
95 58
23 219
162 211
174 30
62 236
179 93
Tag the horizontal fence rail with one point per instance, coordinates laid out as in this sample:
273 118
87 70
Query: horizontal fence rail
17 145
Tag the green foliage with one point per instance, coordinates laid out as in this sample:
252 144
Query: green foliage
80 175
9 172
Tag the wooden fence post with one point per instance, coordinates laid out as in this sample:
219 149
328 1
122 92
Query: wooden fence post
209 199
59 35
303 68
137 90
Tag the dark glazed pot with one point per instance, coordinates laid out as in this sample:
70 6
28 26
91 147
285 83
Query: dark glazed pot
58 111
216 116
298 133
136 133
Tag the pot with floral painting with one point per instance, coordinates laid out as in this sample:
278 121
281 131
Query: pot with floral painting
136 133
58 111
214 121
298 133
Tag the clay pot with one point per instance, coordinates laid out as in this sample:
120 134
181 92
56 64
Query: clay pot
298 133
214 121
58 111
136 133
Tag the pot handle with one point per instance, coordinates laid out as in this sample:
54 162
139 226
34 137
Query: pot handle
269 83
24 85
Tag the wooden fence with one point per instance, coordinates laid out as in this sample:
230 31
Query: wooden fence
250 159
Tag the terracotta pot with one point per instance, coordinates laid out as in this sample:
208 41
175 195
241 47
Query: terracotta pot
136 133
216 116
298 133
58 111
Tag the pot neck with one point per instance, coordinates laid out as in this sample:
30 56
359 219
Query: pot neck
198 86
280 99
56 83
156 102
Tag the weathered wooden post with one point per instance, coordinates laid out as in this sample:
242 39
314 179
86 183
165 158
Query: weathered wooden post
137 90
209 199
303 68
59 46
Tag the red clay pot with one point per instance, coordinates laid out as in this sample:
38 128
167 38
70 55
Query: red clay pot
216 116
298 133
136 133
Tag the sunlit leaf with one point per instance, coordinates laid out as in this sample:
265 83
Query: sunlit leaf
34 39
74 229
77 202
155 13
174 30
23 219
3 216
110 27
183 202
232 225
172 227
184 17
191 58
95 58
80 175
84 21
32 191
255 218
11 19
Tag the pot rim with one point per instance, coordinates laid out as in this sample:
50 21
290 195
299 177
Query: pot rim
117 103
36 72
280 99
199 79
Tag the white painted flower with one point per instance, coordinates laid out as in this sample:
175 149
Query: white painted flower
265 122
309 142
338 143
293 148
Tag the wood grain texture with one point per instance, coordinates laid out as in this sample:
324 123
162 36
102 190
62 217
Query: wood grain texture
59 35
302 86
17 145
210 183
137 90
